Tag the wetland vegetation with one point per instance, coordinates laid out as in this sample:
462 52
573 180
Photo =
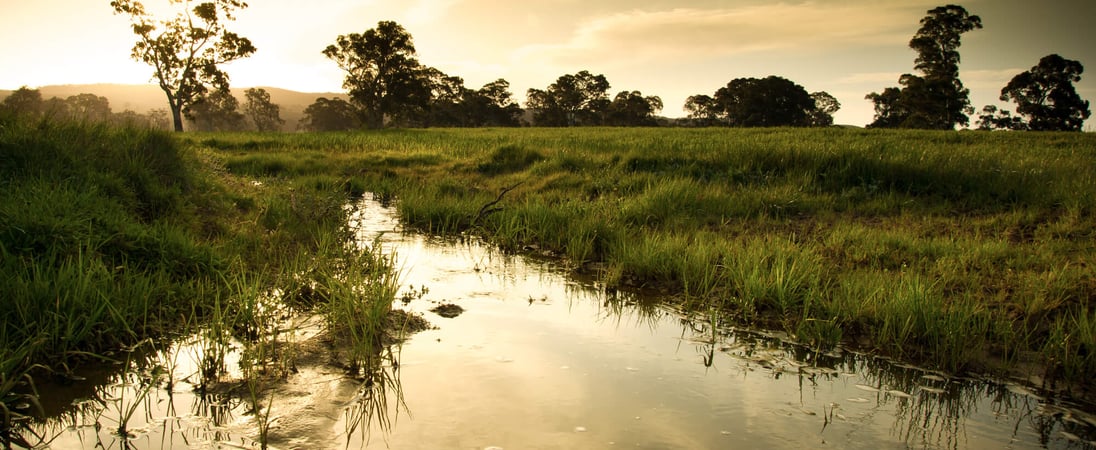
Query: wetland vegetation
115 240
962 251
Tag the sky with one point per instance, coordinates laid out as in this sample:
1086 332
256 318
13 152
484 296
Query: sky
669 48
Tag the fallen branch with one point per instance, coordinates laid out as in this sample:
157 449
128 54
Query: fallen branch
490 208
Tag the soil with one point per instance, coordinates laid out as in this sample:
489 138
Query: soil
401 324
447 310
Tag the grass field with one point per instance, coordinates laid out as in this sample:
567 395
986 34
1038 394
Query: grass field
961 250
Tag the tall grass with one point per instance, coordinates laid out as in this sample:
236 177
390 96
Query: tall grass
92 240
110 236
935 246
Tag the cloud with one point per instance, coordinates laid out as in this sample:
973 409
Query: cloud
973 79
988 79
870 78
425 12
706 33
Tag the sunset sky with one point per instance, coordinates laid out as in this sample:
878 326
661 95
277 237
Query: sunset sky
669 48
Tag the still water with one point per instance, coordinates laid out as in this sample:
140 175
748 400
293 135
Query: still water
539 360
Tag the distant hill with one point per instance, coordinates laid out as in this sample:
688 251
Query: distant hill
142 98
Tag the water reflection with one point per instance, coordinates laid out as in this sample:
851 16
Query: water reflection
929 409
370 405
541 360
164 396
538 357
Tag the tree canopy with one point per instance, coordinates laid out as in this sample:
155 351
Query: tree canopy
186 51
1045 95
936 99
766 102
216 111
454 105
631 108
762 102
24 101
382 74
326 114
573 100
264 115
702 110
993 118
493 105
825 105
81 107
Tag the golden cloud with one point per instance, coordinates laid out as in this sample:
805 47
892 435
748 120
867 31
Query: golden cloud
694 32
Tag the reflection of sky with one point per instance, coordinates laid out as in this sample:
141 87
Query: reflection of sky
564 371
572 369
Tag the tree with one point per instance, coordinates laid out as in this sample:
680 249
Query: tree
631 108
824 107
382 74
768 102
1046 97
130 118
88 107
55 107
159 118
436 99
702 110
24 101
937 98
186 51
493 105
330 115
578 99
264 114
545 108
216 111
999 119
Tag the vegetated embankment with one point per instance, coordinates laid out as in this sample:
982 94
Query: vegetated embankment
110 237
967 251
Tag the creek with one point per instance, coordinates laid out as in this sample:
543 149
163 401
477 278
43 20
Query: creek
533 358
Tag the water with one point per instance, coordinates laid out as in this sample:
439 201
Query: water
539 360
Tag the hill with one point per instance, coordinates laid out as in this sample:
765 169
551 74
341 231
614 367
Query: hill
143 98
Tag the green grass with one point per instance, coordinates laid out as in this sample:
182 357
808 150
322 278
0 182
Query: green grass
110 236
961 250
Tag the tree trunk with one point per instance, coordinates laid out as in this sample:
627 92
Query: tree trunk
176 108
177 118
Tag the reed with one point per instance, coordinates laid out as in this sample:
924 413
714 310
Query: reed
914 241
1071 344
360 295
111 236
911 242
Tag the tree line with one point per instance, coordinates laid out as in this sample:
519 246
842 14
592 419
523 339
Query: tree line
84 107
387 86
217 111
936 99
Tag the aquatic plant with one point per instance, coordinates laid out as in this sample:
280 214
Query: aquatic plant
911 242
111 236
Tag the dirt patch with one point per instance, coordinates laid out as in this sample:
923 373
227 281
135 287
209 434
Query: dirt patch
401 325
447 310
322 349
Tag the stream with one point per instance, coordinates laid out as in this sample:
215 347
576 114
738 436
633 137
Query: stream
535 359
